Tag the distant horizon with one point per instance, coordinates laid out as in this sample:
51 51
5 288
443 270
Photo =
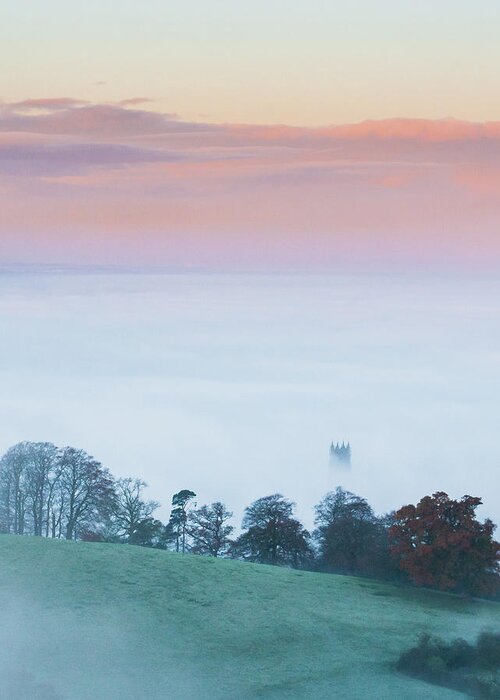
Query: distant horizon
354 271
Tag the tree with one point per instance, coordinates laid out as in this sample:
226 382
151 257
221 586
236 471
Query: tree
177 526
67 493
440 543
131 514
28 477
53 501
149 532
350 538
273 535
13 488
208 529
40 477
86 493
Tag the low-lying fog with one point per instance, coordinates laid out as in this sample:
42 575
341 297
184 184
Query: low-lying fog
235 385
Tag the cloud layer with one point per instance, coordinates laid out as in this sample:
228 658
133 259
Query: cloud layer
120 183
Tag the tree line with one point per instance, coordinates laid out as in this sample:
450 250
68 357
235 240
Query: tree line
65 493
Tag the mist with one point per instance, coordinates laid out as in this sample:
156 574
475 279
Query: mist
234 385
50 650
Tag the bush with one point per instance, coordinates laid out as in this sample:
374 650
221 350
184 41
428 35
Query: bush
435 665
415 659
488 687
474 669
91 536
459 654
488 650
433 655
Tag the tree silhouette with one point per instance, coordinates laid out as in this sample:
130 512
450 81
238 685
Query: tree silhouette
273 535
349 536
177 525
208 529
131 514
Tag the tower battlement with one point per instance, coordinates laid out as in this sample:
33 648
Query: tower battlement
340 453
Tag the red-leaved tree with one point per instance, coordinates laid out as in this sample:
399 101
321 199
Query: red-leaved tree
440 543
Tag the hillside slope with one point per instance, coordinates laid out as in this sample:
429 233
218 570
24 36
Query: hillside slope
101 621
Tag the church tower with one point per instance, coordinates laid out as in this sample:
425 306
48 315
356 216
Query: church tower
340 454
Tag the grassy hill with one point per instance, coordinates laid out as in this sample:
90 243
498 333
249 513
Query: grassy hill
101 621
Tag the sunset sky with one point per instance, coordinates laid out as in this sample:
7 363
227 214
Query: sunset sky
245 135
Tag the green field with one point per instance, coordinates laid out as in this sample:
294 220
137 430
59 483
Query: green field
103 621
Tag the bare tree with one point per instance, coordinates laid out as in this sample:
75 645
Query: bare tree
29 473
13 494
37 477
131 513
208 529
54 502
86 491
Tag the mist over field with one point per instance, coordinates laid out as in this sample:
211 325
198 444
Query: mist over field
234 385
54 646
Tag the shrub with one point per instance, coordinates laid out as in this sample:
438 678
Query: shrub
474 669
435 665
488 650
414 660
488 687
433 655
458 654
91 536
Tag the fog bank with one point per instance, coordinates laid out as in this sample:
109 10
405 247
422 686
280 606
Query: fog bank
235 385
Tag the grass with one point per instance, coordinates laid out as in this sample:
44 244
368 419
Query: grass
102 621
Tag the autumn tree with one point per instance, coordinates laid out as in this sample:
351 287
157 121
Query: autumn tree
440 543
208 529
272 535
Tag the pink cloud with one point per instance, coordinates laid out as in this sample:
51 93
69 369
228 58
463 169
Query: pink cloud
414 130
66 116
417 130
134 101
46 104
149 186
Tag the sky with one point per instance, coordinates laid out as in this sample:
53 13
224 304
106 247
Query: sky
301 62
264 135
338 138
